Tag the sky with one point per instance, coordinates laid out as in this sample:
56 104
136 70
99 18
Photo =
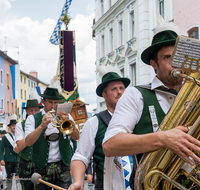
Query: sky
25 29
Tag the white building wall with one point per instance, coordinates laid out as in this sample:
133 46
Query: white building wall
127 55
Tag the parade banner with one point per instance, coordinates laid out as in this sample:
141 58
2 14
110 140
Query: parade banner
67 94
66 61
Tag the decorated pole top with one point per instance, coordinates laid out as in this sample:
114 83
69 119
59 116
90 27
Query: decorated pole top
66 19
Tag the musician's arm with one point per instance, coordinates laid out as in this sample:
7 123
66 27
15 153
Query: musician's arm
21 145
78 173
32 134
118 140
19 138
124 144
81 158
177 140
75 134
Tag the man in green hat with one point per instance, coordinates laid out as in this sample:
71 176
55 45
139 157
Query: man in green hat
8 157
51 148
133 128
26 167
90 144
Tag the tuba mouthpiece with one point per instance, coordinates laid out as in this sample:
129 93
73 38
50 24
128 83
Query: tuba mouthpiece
175 73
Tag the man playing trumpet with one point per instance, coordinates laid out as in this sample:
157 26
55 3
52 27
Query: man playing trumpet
51 149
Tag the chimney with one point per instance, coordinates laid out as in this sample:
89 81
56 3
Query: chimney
33 73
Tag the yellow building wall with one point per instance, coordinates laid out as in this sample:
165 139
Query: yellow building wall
23 96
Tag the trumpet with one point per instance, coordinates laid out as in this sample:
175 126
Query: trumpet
66 126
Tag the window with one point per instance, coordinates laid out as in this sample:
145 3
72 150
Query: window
29 83
120 33
13 111
18 114
24 80
21 94
122 72
1 76
133 74
80 112
21 79
110 3
111 39
102 7
102 46
1 125
7 79
194 33
161 8
132 24
2 103
8 109
24 94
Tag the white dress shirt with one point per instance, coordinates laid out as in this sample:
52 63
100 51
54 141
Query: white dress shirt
54 153
19 133
86 145
129 109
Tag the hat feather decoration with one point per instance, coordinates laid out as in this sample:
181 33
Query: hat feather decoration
35 95
163 25
109 73
55 83
13 117
103 69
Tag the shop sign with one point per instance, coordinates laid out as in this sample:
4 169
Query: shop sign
1 112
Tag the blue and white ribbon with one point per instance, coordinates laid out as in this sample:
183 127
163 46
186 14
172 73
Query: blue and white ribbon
55 36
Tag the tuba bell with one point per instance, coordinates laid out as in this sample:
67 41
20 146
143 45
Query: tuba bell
160 169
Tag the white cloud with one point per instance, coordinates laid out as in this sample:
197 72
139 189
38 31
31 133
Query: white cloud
37 53
90 8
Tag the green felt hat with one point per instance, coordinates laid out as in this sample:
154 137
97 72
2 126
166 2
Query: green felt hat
52 94
110 77
3 132
32 104
161 39
12 121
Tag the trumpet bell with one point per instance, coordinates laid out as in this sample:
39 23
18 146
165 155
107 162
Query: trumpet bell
67 127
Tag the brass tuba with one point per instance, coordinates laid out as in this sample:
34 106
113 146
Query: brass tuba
161 168
66 126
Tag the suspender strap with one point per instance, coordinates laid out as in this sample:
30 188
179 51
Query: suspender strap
160 89
105 117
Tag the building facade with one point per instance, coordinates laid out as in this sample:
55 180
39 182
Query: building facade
187 18
28 84
7 87
122 30
23 95
2 95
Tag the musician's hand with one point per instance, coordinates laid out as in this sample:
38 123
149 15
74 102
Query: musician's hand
2 163
75 186
63 115
178 141
46 120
